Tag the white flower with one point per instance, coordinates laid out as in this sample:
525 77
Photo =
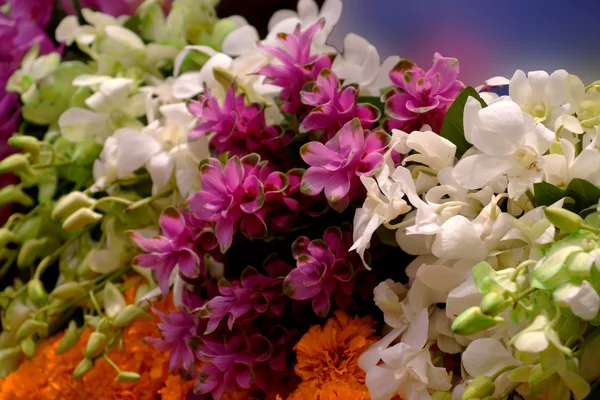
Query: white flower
583 300
440 331
388 296
509 142
486 357
407 369
69 30
360 64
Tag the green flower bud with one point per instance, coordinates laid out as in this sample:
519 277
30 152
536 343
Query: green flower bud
224 77
95 344
92 320
126 315
472 321
70 203
83 368
68 291
69 340
492 304
36 292
480 388
80 219
29 328
16 162
86 151
28 143
222 28
28 347
6 237
9 360
14 194
440 395
104 325
564 220
30 250
127 376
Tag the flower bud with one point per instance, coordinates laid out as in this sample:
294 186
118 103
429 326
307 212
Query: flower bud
126 315
95 344
30 250
480 388
69 340
127 376
223 76
564 220
28 143
86 151
70 203
14 194
9 359
83 368
492 304
36 292
440 395
68 291
29 328
6 237
16 162
28 347
104 325
472 321
80 219
221 29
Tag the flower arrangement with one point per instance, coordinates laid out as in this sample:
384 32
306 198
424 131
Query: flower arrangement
197 212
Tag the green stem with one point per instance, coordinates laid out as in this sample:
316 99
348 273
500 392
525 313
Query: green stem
524 294
7 264
112 198
111 362
503 370
399 224
95 302
148 200
590 228
507 392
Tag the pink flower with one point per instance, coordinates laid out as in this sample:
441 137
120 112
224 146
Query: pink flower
176 247
337 165
335 106
424 96
110 7
238 128
39 11
324 268
297 66
229 198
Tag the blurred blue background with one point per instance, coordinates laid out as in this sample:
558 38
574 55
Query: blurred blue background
489 38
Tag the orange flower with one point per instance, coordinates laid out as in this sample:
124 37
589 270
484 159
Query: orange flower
330 354
49 377
330 391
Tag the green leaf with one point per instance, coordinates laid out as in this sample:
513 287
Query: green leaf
584 193
453 128
547 194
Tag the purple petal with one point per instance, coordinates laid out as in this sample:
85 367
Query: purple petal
154 245
172 222
320 251
316 154
233 174
224 230
422 107
445 70
253 227
343 270
369 165
294 287
395 107
146 260
254 192
352 135
337 187
188 263
321 304
300 246
314 180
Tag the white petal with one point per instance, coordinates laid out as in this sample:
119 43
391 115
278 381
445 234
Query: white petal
113 300
181 56
582 300
187 85
382 80
331 11
160 168
458 240
240 41
586 166
77 124
90 80
486 357
532 342
279 16
556 87
440 151
499 130
463 297
519 88
370 357
440 277
541 138
416 334
569 122
478 170
538 81
125 37
381 383
365 225
497 81
134 150
66 30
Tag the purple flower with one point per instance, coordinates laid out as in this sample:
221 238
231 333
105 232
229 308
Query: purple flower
337 165
245 299
297 66
424 96
39 11
110 7
335 106
238 128
324 268
177 328
230 197
176 247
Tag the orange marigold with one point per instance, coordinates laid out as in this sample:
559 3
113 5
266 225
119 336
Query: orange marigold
331 391
49 377
329 354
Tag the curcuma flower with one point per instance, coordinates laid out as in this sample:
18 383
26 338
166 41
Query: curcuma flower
238 128
337 165
424 96
334 106
324 268
175 248
297 65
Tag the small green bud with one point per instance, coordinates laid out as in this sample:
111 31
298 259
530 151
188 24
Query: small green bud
28 347
104 325
472 321
127 376
30 250
6 237
69 340
70 203
86 151
68 291
14 194
83 368
441 395
92 320
80 219
492 304
28 143
36 292
126 315
480 388
29 328
16 162
564 220
95 344
224 77
221 29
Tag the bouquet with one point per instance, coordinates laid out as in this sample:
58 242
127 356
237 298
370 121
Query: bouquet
197 212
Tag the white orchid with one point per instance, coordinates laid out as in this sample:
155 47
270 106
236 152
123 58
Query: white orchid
361 64
509 142
69 30
407 369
